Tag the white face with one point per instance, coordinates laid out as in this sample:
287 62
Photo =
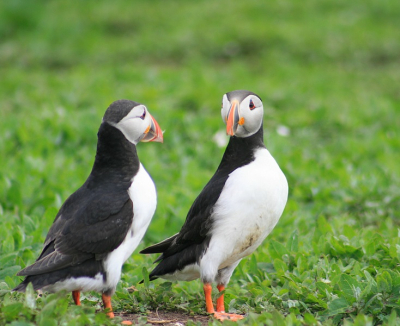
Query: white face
136 124
246 118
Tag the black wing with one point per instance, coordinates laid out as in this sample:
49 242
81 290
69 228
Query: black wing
198 221
192 240
91 223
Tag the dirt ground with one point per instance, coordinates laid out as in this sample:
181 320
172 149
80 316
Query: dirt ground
165 318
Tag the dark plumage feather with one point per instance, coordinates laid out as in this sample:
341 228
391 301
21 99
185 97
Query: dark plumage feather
52 262
95 219
240 94
88 268
159 247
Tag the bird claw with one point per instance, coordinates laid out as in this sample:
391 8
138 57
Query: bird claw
126 322
226 316
110 314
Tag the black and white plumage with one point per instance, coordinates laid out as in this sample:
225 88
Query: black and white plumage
100 225
234 212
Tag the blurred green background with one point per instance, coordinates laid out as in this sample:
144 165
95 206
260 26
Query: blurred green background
328 73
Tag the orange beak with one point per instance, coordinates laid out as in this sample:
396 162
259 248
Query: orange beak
233 118
153 132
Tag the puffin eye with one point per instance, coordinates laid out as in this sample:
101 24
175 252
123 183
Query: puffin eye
251 105
143 115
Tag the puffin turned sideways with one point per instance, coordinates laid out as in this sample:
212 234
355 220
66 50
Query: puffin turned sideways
101 224
235 211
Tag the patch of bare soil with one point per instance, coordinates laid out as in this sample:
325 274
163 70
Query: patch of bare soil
165 318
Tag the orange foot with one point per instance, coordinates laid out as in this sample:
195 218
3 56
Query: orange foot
225 316
126 322
109 314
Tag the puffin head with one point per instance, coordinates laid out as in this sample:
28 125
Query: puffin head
134 121
242 111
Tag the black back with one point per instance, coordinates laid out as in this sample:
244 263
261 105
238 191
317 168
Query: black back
89 219
95 219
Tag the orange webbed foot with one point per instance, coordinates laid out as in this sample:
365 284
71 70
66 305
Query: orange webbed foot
110 314
226 316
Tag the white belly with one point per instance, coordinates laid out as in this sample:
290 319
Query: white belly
188 273
249 207
144 198
78 284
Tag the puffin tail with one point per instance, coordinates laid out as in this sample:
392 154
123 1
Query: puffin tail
21 287
159 247
151 278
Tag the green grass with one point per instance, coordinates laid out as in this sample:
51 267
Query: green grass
328 70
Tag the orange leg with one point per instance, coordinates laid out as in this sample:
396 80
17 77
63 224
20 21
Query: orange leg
220 300
107 305
207 293
76 295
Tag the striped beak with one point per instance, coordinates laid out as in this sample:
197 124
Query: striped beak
153 132
232 119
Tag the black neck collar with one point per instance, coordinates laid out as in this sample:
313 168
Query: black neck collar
240 151
116 158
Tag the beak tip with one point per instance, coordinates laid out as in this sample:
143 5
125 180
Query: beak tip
160 138
229 131
154 134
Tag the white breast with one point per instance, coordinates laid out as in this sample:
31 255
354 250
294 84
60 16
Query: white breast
144 198
247 210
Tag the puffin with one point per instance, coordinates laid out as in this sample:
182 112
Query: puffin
100 225
235 211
